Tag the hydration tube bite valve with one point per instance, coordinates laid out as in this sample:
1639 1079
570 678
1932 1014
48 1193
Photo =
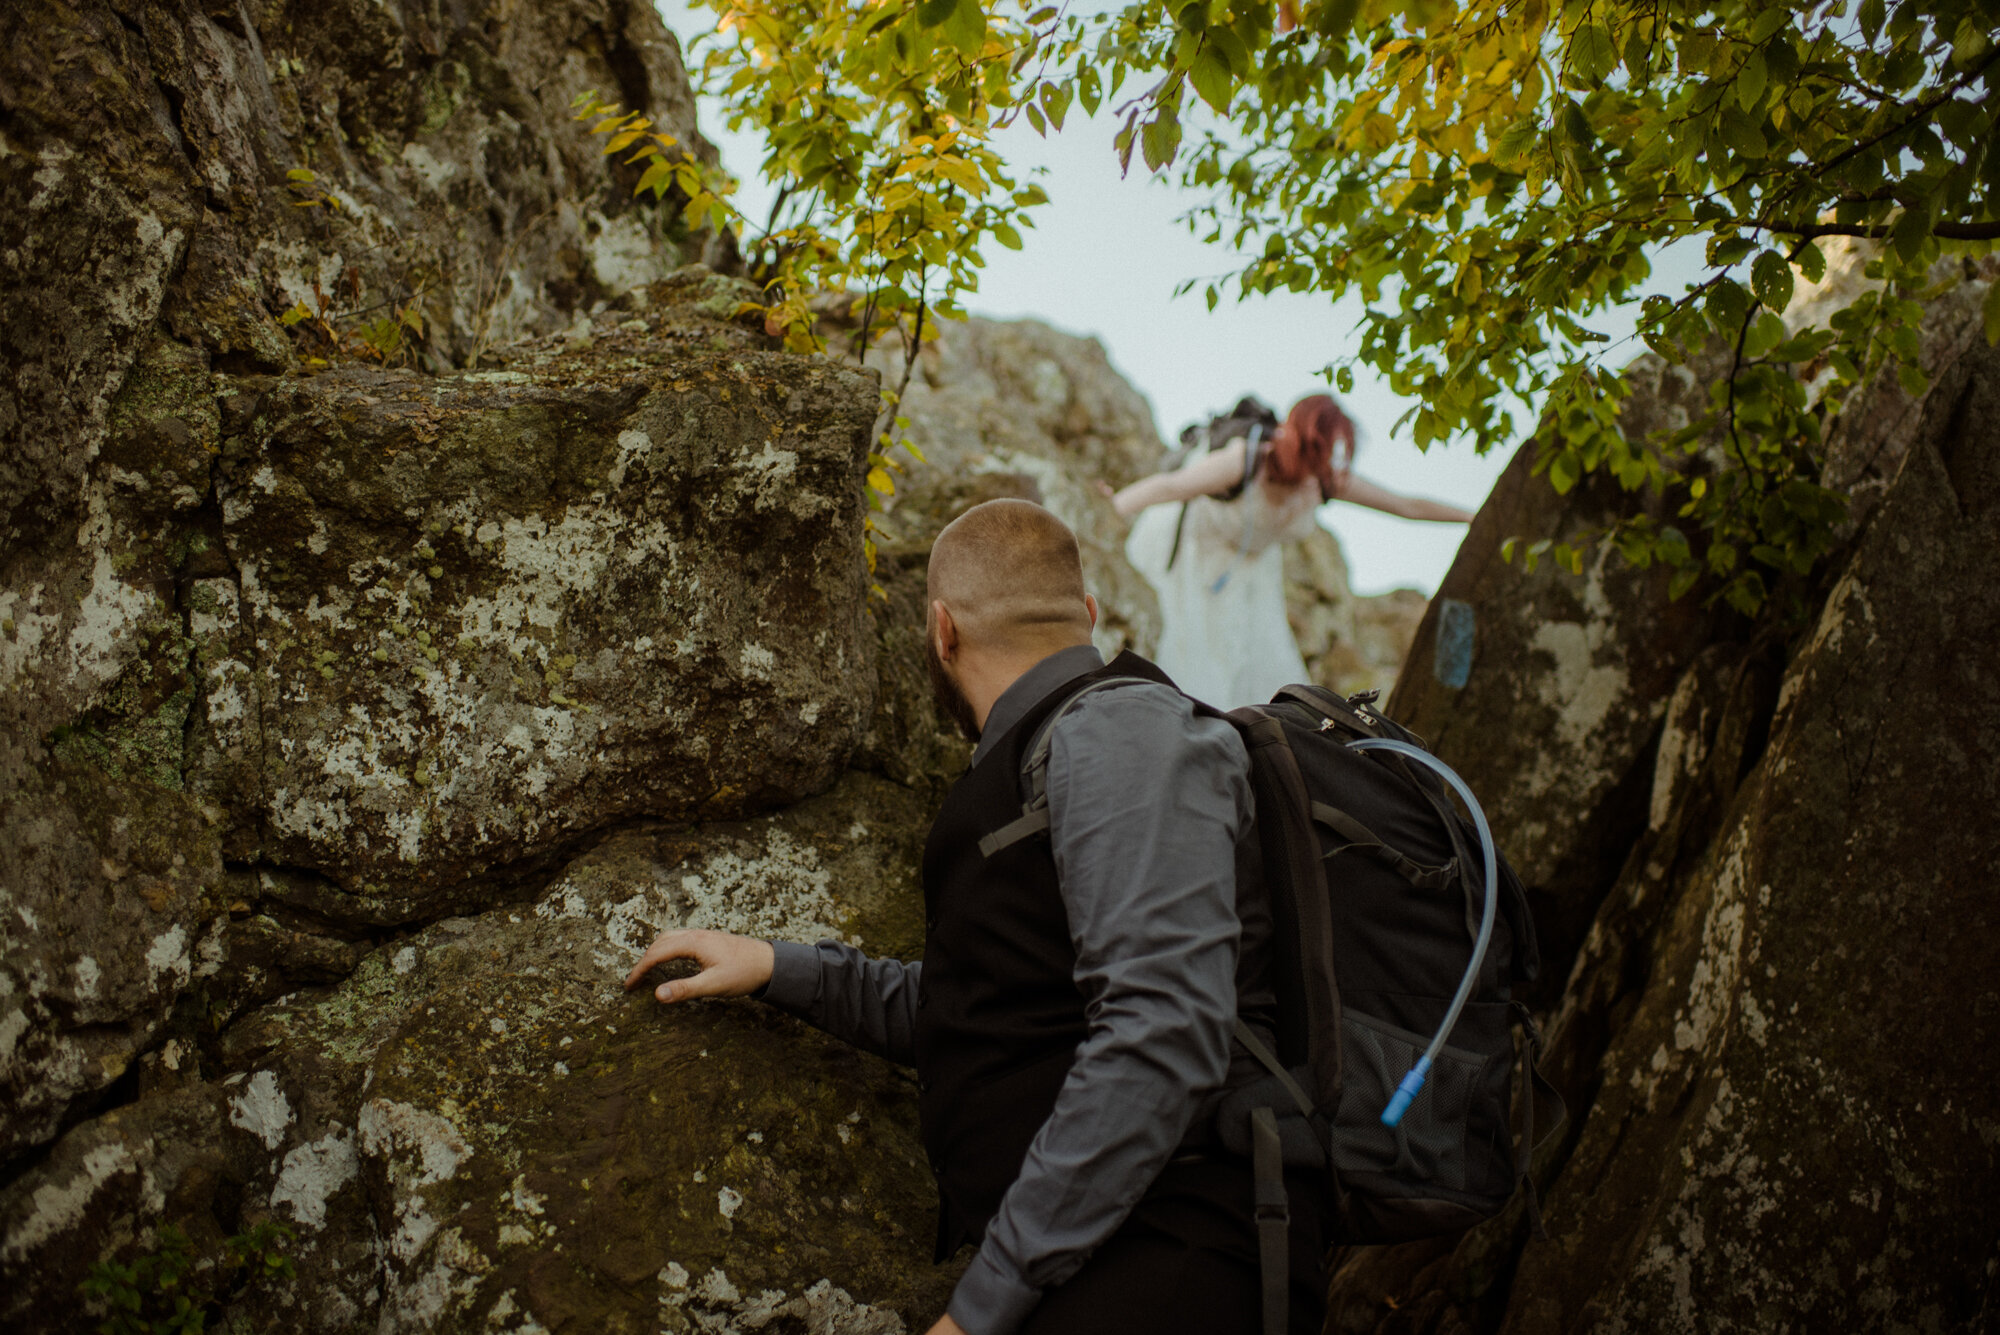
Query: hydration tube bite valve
1413 1083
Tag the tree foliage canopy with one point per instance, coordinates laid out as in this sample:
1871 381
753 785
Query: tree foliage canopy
1487 175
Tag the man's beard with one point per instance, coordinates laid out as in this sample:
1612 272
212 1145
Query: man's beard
951 701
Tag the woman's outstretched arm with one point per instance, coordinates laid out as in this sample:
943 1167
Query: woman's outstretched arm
1207 475
1363 492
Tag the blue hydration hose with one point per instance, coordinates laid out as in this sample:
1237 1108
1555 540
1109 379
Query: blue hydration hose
1406 1092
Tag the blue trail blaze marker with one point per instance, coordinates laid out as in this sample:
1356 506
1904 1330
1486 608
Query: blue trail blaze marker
1452 663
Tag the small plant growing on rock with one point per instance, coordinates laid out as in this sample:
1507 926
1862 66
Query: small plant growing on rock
171 1291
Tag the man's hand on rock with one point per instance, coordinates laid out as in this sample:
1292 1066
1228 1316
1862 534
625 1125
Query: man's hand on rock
731 966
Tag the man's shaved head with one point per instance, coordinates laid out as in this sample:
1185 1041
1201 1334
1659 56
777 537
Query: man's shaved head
1011 577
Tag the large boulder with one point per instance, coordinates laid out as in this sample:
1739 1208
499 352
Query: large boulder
478 1124
1786 1134
478 614
201 205
1767 1113
416 639
1546 690
157 158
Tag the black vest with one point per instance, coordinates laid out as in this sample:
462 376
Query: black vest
999 1015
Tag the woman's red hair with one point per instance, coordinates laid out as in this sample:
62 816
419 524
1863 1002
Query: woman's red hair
1306 445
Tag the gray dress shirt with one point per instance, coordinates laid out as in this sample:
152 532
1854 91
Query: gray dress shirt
1146 802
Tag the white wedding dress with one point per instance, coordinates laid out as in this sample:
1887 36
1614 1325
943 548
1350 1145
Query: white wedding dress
1225 638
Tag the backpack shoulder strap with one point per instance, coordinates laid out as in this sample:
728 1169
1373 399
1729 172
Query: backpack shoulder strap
1034 817
1284 816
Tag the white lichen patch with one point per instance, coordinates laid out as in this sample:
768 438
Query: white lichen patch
22 649
102 637
718 1307
632 445
314 1171
773 476
524 1200
262 1109
728 1201
1580 690
422 1146
168 954
1712 984
57 1207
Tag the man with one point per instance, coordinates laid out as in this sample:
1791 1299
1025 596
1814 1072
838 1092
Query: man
1071 1021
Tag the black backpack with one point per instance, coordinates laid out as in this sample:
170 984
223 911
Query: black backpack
1375 883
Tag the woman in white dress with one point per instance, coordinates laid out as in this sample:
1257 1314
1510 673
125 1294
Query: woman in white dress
1218 567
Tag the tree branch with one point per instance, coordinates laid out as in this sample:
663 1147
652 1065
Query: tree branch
1949 231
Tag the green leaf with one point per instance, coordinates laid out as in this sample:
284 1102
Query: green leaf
1517 139
1035 119
1233 53
1333 18
1160 139
965 28
1812 262
1872 15
1907 237
1212 80
1743 134
1751 80
1055 102
658 178
1088 90
931 13
1592 54
1768 23
1565 470
1771 280
1728 305
302 176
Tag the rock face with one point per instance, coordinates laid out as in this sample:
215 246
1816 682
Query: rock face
1768 1087
418 635
1546 691
151 171
359 704
1772 1128
146 170
477 1127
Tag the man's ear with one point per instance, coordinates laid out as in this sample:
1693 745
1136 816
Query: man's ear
1091 603
944 631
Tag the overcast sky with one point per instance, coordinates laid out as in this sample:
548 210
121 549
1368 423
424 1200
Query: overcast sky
1103 260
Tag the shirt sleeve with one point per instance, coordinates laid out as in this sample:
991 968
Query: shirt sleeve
870 1003
1146 801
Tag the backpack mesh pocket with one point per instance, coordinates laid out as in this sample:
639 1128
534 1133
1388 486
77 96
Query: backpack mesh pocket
1428 1145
